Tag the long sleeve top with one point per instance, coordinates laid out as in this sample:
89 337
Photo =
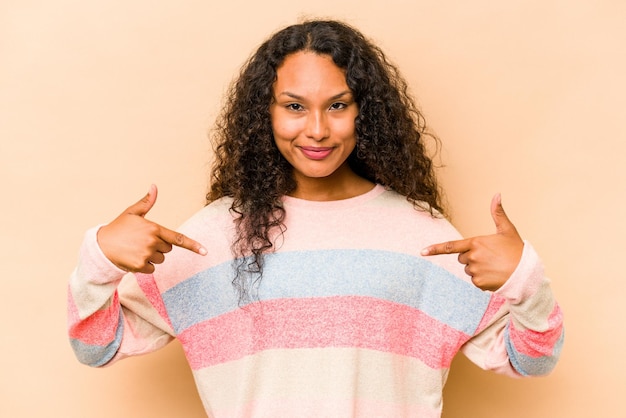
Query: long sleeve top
348 319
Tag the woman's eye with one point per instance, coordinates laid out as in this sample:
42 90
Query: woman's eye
294 106
337 106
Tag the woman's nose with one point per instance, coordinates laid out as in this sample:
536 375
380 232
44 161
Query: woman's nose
317 126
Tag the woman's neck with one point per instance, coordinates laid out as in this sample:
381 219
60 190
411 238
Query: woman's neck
342 184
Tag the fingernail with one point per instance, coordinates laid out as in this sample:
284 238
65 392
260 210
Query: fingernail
202 251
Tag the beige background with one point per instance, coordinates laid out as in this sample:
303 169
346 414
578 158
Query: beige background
99 99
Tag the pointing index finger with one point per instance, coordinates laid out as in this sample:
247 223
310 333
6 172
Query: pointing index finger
450 247
181 240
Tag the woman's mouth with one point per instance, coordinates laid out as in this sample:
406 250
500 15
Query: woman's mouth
316 153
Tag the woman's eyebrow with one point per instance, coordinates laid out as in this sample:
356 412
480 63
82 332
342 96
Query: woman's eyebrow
298 97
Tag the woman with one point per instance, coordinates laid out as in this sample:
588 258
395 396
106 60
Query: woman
321 279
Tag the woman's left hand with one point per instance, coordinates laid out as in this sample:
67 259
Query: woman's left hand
489 259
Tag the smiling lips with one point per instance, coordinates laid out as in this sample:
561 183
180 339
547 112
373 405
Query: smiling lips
316 153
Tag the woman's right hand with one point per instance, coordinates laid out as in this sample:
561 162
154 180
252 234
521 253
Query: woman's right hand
135 244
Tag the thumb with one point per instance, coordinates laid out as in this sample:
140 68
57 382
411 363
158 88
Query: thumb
143 206
502 221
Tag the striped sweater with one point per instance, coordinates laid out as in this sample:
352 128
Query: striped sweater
350 320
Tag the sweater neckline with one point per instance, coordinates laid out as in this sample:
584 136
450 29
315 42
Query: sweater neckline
295 202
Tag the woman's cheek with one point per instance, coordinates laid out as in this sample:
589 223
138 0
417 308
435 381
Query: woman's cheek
287 129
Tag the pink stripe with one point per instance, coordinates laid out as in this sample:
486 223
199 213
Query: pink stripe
148 285
495 303
537 344
72 311
350 321
98 328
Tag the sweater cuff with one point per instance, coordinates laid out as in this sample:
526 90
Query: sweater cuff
526 279
93 264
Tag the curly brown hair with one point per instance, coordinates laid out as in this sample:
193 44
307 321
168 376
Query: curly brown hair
249 168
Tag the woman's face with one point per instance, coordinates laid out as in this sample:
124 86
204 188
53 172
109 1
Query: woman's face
313 114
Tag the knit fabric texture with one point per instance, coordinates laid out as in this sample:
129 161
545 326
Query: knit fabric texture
348 320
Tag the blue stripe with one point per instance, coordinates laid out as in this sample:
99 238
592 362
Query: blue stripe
532 366
98 355
398 278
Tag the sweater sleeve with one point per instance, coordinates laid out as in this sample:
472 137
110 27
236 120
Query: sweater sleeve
521 333
112 314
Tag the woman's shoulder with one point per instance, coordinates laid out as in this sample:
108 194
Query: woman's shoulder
414 215
393 199
215 213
